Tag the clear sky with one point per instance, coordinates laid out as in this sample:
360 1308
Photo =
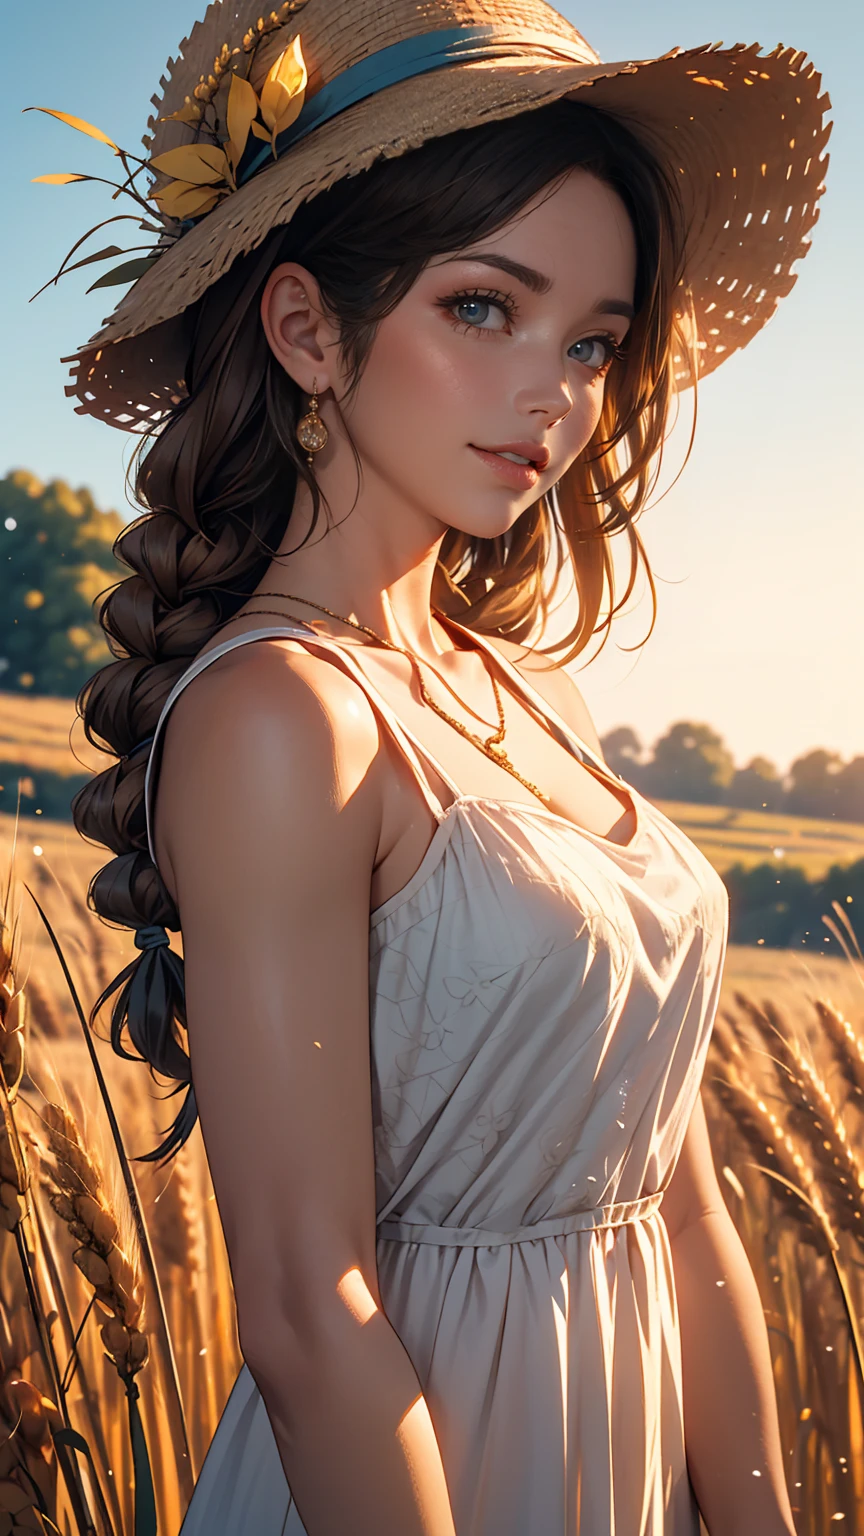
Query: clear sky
759 549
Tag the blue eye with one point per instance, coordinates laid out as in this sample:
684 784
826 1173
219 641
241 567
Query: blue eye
473 309
475 305
606 346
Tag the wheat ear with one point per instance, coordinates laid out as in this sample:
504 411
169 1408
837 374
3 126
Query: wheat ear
76 1190
28 1467
77 1193
15 1181
812 1107
797 1185
180 1434
847 1047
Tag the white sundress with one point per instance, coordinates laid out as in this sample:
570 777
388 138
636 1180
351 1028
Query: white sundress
541 1003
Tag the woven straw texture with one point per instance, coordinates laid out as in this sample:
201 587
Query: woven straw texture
743 133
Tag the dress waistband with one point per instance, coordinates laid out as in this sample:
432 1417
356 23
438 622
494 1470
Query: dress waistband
556 1226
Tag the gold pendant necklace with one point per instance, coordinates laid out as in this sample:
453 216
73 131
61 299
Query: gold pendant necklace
491 746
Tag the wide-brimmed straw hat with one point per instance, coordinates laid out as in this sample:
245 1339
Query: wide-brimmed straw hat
320 89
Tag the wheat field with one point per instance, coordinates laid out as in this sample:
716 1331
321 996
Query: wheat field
108 1315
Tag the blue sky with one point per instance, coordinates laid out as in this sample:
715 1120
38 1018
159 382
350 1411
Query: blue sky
758 551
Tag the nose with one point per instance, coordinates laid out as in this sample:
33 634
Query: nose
553 399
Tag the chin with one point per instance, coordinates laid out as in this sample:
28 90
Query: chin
486 523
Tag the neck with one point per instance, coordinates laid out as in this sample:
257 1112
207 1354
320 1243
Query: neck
359 576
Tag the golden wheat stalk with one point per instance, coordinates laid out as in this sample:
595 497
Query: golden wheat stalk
92 1400
15 1182
208 85
778 1249
43 1010
845 935
76 1191
759 1127
847 1047
810 1103
178 1222
180 1435
176 1219
28 1466
812 1107
790 1174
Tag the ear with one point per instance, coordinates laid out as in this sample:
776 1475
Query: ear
300 334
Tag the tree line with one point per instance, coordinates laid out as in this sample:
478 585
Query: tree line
691 762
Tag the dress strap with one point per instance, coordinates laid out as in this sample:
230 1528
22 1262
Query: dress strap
411 749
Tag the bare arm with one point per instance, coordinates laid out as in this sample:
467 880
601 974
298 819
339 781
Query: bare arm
729 1395
270 815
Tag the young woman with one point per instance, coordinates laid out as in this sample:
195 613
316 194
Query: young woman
448 981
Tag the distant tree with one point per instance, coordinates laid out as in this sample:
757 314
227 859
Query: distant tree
757 787
623 752
813 784
849 791
55 559
691 762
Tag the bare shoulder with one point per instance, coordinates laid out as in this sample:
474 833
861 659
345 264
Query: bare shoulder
557 687
267 730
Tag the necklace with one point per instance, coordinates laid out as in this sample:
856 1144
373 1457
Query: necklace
491 746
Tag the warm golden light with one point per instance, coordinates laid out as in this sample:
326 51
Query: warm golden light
356 1295
416 1435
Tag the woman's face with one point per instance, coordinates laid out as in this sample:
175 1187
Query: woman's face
504 346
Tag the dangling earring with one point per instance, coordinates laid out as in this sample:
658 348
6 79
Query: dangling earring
311 431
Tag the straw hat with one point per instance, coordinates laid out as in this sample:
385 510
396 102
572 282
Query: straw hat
339 83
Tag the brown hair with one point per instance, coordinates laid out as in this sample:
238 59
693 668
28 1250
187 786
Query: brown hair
222 469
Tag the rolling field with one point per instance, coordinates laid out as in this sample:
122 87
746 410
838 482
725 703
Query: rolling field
36 731
727 836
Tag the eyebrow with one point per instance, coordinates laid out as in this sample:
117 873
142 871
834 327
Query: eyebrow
539 283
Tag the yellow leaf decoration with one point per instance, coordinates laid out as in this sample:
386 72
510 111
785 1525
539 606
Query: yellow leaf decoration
182 200
242 111
284 90
200 164
195 177
79 124
191 113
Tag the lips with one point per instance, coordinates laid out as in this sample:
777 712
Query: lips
537 453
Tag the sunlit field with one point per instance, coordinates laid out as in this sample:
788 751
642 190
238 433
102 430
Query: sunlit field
99 1301
728 836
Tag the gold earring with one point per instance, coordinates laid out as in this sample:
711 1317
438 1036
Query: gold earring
311 431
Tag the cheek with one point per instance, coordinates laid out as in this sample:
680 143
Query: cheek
420 380
575 432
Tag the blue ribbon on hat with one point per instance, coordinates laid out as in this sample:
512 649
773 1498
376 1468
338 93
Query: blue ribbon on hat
400 61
